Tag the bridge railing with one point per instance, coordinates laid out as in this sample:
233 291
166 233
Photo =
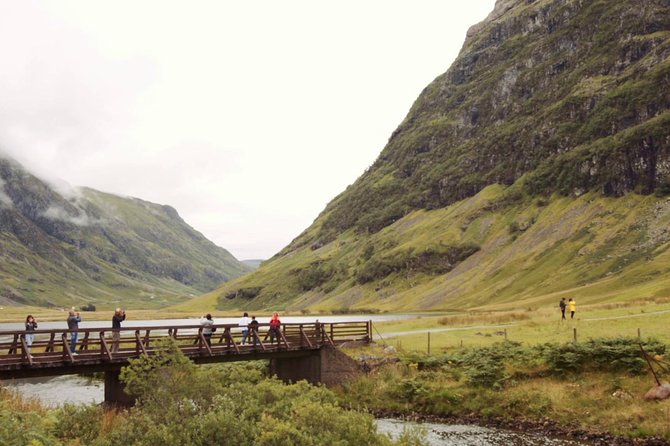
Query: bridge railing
52 347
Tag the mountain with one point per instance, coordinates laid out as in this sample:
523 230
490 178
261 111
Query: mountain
538 164
253 263
73 246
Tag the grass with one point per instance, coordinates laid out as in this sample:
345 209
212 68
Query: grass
651 317
594 401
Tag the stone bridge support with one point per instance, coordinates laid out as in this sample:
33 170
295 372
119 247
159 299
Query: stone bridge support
328 366
115 394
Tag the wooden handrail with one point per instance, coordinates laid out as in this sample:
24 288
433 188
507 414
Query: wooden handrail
94 346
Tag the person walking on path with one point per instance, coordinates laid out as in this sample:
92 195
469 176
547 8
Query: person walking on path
73 320
119 316
31 326
562 306
275 326
572 305
253 328
244 324
207 330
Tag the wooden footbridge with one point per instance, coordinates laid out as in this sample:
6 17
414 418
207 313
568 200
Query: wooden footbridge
300 351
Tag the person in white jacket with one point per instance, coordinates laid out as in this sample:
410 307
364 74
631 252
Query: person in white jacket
244 323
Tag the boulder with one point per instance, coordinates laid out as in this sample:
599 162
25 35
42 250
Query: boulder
661 392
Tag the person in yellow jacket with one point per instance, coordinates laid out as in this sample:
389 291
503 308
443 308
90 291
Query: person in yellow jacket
572 306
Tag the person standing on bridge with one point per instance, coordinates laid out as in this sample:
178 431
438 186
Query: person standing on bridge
244 325
119 316
275 326
253 329
73 320
31 326
207 322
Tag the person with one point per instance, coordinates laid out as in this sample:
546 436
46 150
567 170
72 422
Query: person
275 326
573 306
207 330
73 320
244 323
562 305
119 316
253 328
31 326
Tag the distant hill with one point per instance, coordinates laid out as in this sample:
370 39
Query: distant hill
536 166
80 246
253 263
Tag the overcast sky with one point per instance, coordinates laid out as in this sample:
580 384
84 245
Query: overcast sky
248 117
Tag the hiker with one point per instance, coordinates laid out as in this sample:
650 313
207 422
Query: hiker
275 326
31 325
119 316
562 305
73 320
253 328
573 306
244 324
207 330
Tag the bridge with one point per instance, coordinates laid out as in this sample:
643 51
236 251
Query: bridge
300 351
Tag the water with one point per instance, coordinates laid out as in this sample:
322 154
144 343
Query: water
95 323
438 434
56 391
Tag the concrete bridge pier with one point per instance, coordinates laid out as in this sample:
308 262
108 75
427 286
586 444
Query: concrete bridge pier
115 394
328 366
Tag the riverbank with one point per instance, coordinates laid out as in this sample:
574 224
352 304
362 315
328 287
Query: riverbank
590 391
543 428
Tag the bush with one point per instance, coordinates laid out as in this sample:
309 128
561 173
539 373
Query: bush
436 260
616 355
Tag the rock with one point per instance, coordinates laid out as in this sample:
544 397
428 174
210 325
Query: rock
389 349
622 395
661 392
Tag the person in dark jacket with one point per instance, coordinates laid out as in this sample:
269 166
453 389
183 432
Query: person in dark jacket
73 320
31 326
562 306
119 316
253 329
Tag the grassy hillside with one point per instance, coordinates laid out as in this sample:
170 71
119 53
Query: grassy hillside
523 251
531 169
81 246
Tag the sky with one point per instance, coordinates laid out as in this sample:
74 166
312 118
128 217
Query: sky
247 117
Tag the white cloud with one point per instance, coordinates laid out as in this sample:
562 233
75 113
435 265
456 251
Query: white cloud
247 117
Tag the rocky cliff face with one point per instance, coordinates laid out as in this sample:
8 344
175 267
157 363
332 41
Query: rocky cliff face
573 94
547 99
78 246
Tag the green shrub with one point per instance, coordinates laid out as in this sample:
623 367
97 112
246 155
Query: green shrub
616 355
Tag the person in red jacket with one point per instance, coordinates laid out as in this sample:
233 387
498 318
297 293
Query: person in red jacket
275 326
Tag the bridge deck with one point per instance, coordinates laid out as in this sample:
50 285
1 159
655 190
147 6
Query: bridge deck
50 352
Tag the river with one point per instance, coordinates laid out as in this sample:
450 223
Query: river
95 323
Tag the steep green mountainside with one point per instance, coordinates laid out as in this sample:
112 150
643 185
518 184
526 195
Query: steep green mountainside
554 118
83 246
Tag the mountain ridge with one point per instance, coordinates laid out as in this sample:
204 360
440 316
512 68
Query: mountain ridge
550 102
76 246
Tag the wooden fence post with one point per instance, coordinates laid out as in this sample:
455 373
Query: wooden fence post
428 343
574 334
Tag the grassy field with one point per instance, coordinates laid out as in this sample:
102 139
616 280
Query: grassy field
651 318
